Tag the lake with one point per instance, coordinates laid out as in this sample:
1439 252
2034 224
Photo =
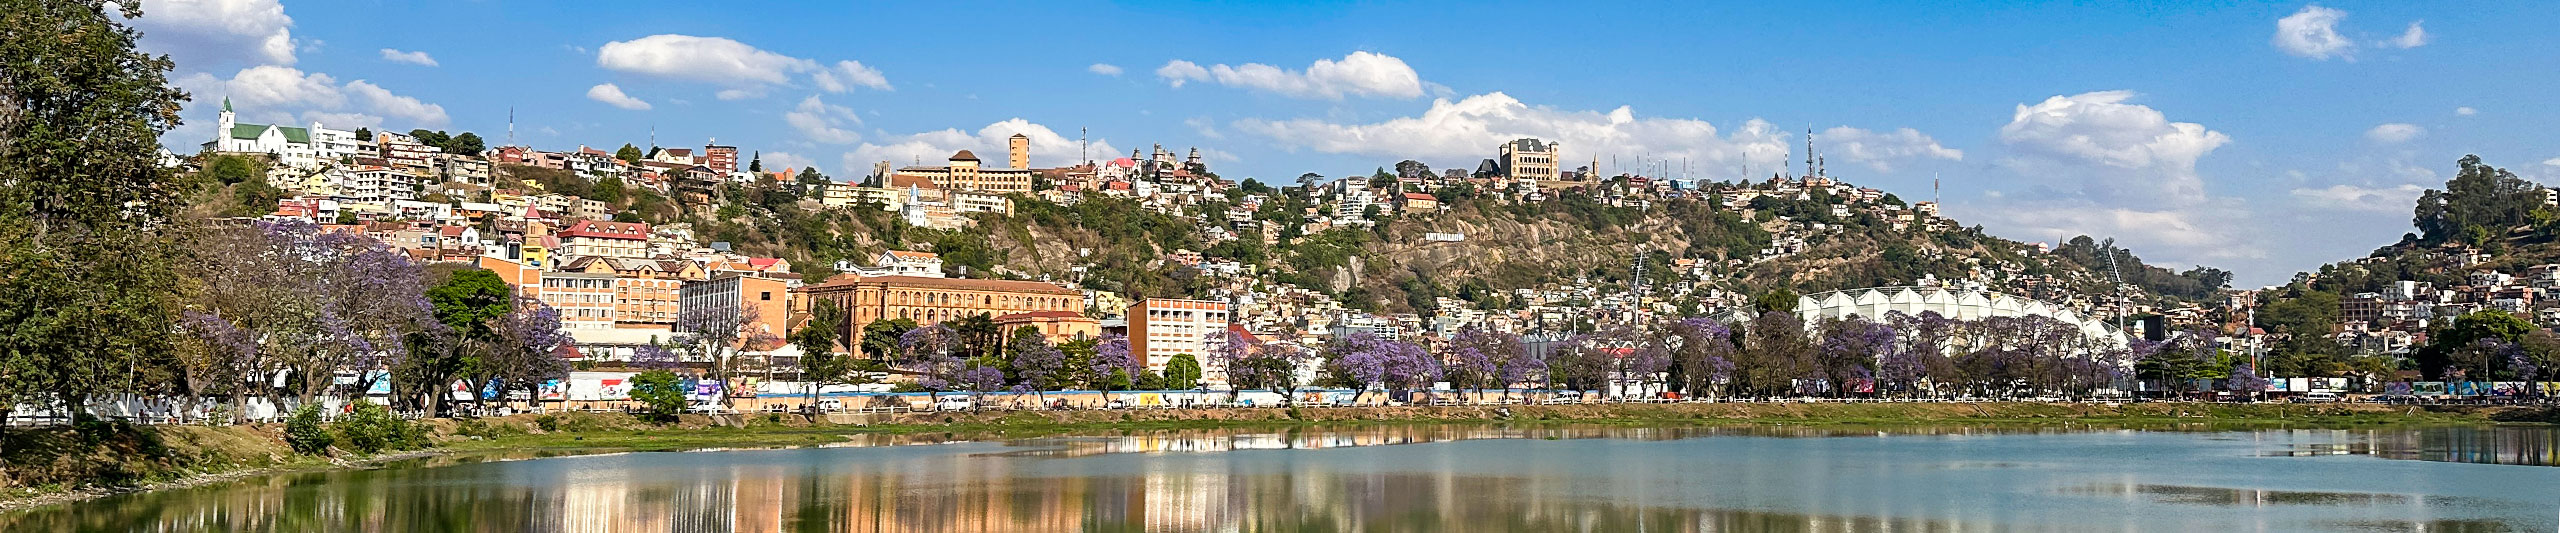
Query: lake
1432 478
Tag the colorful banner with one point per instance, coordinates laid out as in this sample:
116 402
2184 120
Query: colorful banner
2396 388
2428 388
554 390
2510 388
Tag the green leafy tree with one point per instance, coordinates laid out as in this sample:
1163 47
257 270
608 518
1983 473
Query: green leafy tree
467 143
467 306
306 433
2447 346
629 154
880 337
1182 372
85 206
660 390
364 134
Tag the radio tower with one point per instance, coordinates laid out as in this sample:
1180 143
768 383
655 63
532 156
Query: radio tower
1808 150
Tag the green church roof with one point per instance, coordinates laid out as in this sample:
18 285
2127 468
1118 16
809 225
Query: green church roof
252 131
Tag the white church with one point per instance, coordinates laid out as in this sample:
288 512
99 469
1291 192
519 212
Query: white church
302 148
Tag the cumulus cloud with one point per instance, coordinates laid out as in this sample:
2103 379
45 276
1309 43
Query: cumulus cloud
274 93
743 69
413 58
1468 130
2465 111
2393 133
1881 151
821 122
1105 69
1048 148
846 74
383 101
2097 164
612 95
2413 37
2313 33
2366 199
207 34
1362 73
2099 145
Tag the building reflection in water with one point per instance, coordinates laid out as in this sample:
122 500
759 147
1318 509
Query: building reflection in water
1148 481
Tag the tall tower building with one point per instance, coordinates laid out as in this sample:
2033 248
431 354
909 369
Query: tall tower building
1018 148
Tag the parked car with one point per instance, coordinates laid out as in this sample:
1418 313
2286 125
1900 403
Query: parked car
830 405
952 403
2316 397
1116 404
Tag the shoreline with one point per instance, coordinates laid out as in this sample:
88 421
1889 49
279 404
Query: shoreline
573 434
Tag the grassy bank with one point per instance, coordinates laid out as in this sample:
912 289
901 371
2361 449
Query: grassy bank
54 463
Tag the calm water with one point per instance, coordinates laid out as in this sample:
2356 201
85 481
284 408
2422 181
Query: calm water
1434 478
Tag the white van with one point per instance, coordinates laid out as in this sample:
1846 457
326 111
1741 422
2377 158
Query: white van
952 403
2320 396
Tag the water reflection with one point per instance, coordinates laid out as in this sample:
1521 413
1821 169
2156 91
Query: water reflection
1374 478
2502 445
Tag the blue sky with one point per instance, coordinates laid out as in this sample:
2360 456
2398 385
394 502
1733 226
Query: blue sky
2264 138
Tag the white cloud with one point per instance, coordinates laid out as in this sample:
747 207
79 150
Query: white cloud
1048 148
1881 151
2096 164
846 74
207 34
413 58
612 95
2552 162
1468 130
2163 236
342 121
737 94
2414 37
2367 199
2396 132
268 88
2313 33
281 94
382 101
1105 69
821 122
1359 74
2465 111
2096 144
745 70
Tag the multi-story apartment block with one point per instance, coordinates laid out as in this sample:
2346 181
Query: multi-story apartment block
764 303
406 153
721 159
376 185
463 168
584 300
1160 328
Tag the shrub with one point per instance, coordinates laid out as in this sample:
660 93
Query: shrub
372 428
660 390
548 423
305 432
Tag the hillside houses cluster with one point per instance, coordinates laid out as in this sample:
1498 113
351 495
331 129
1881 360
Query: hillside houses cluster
622 284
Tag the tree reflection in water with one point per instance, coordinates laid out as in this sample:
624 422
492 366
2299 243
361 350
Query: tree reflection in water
1225 480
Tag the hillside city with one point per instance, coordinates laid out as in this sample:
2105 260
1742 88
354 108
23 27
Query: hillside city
604 237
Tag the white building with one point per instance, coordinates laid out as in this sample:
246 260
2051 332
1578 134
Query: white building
302 148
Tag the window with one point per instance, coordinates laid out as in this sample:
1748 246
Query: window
766 296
